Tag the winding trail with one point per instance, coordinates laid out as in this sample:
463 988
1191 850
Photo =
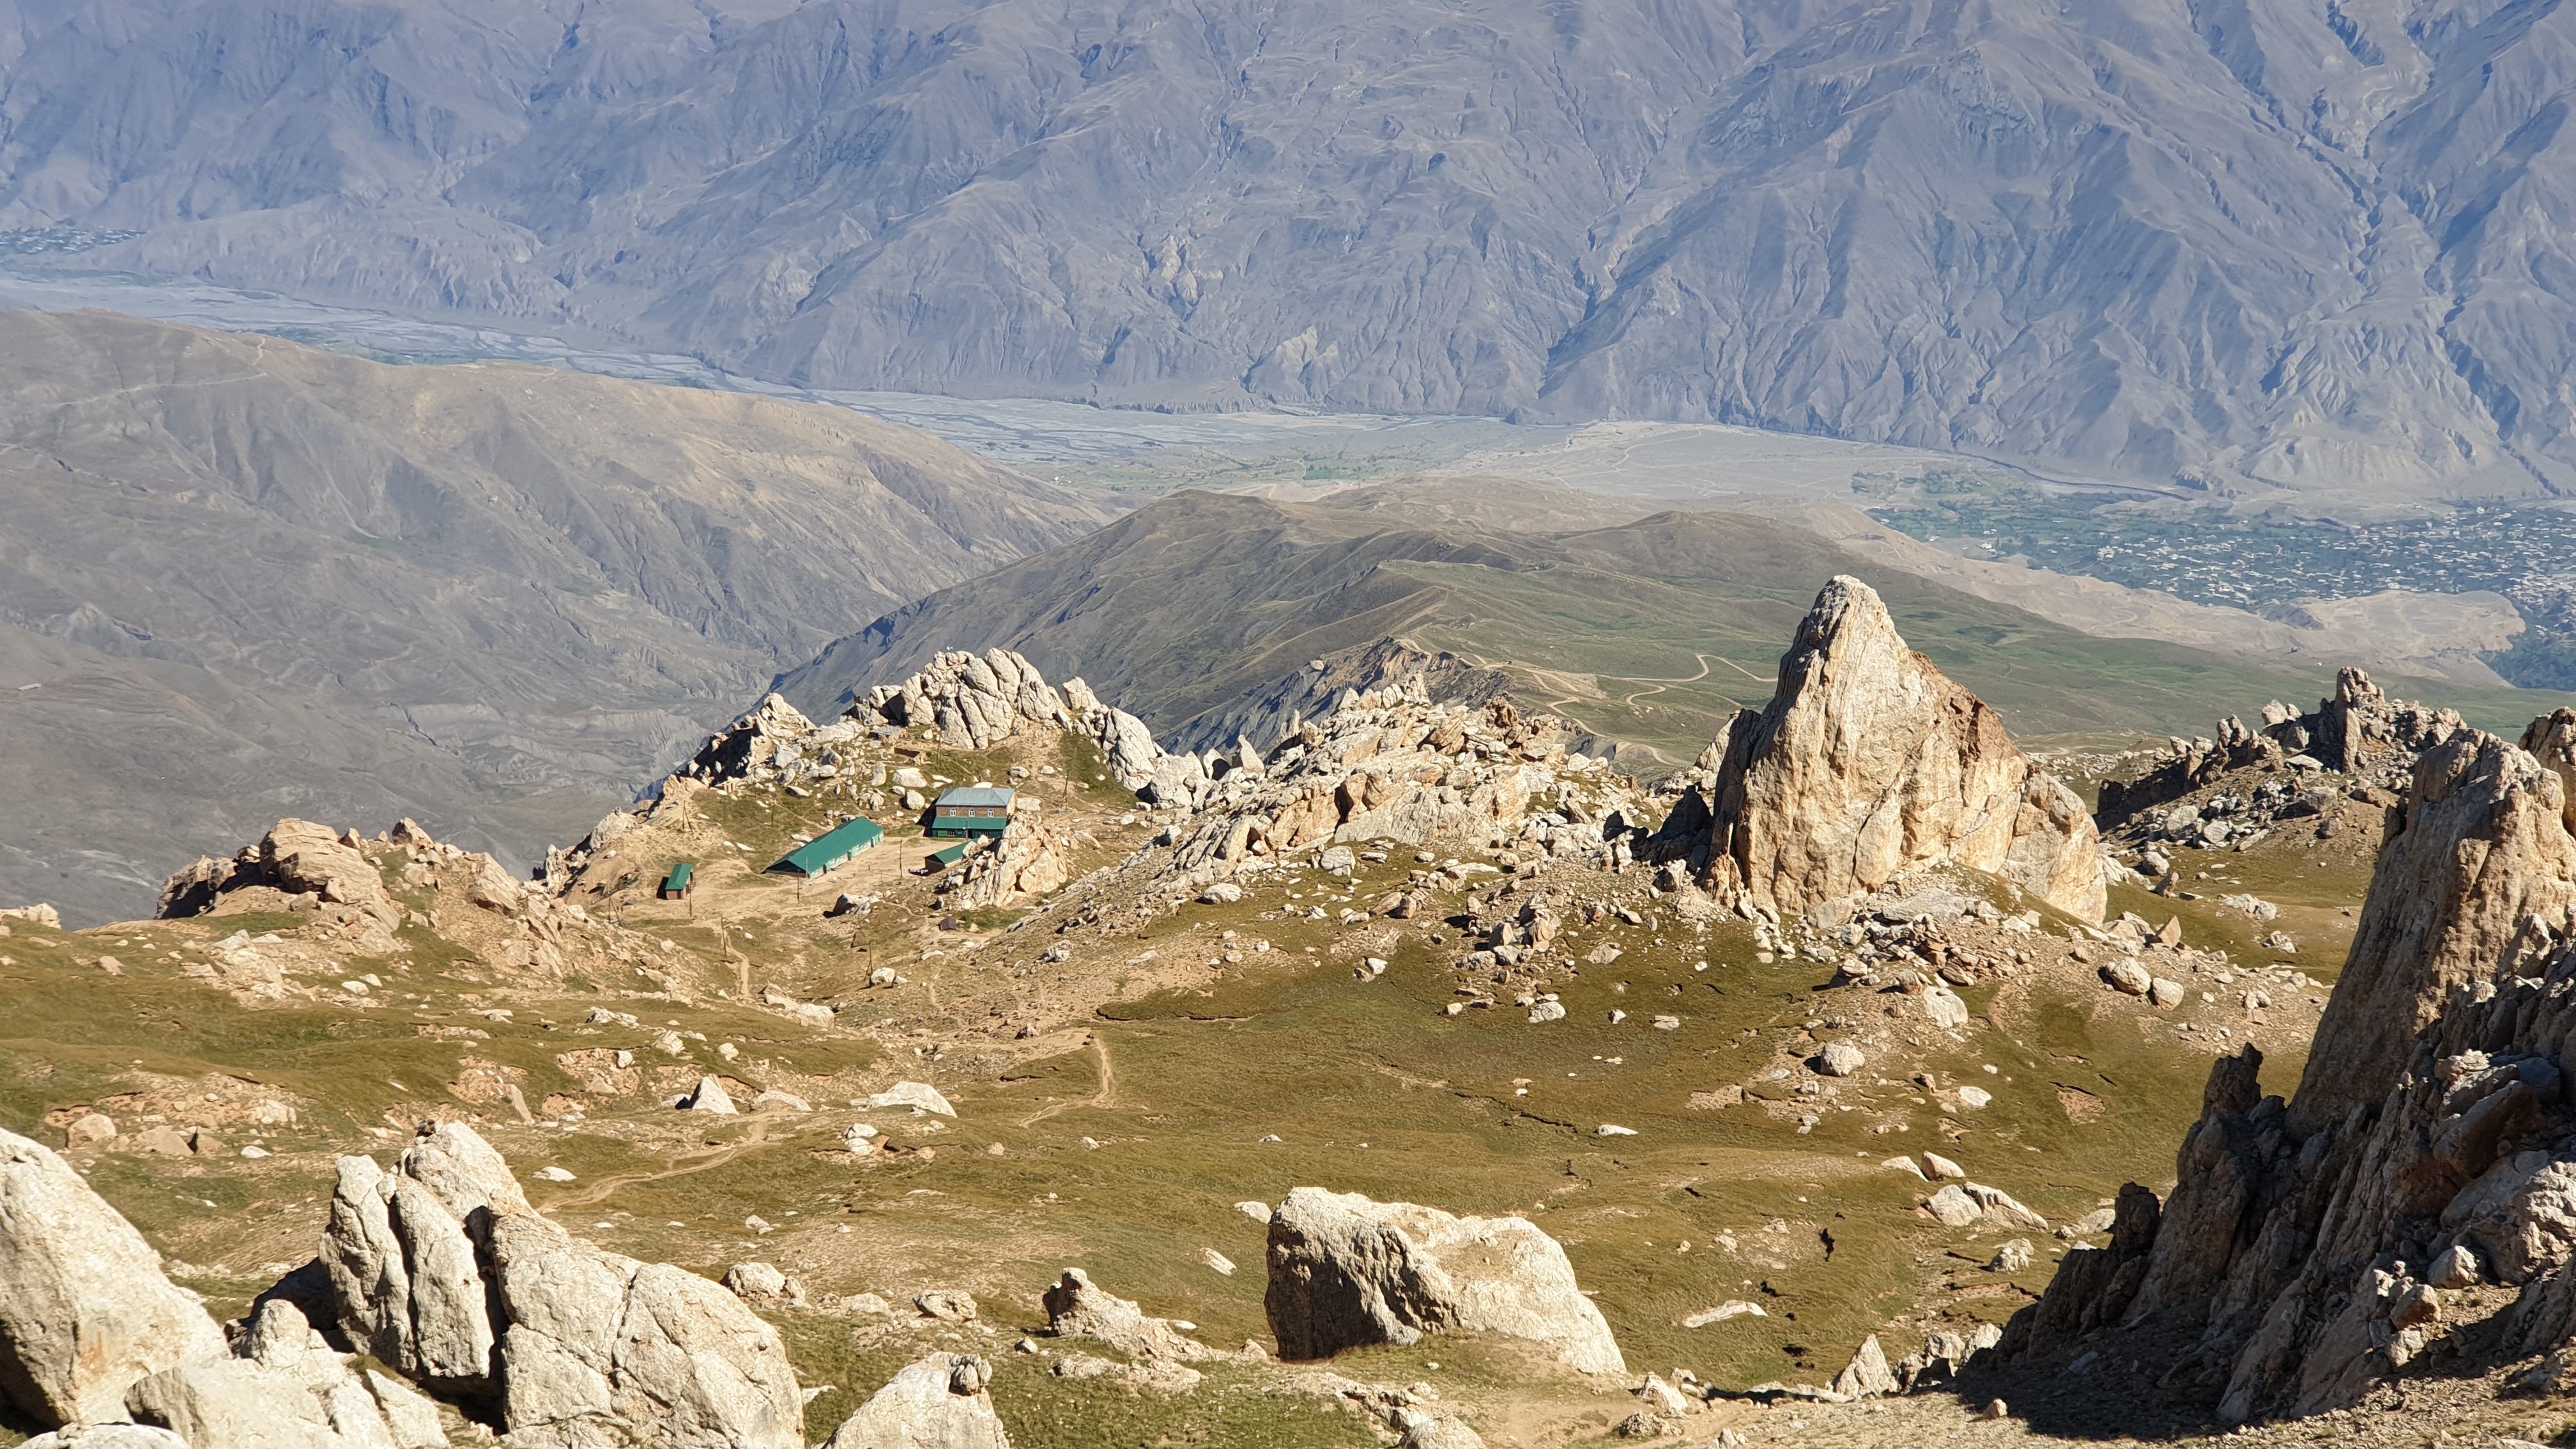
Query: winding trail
694 1162
1107 1096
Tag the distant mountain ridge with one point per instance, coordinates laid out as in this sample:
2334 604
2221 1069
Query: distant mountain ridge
241 578
2239 246
1205 615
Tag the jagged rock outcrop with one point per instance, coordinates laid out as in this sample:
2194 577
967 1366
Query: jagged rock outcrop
297 857
1867 763
973 701
84 1309
968 701
939 1402
441 1269
2433 1112
1346 1271
1029 861
1390 764
2360 731
963 700
770 741
1078 1308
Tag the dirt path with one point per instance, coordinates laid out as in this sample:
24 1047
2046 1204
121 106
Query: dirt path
1106 1097
695 1162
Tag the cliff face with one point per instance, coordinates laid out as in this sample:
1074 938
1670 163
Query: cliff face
1869 762
2310 1241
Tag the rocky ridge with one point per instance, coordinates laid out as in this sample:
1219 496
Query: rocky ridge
2309 1245
2360 733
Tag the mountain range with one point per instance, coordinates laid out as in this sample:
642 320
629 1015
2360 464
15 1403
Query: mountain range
240 578
2243 246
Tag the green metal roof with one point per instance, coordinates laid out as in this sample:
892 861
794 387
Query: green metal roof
678 879
950 855
831 848
976 795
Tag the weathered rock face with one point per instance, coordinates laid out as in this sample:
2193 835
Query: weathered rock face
402 1267
2433 1113
1028 862
2552 741
287 1390
939 1402
84 1309
969 701
1867 763
441 1269
1346 1271
298 857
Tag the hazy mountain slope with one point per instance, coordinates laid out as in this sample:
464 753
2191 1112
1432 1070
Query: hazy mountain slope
2256 241
427 587
1200 611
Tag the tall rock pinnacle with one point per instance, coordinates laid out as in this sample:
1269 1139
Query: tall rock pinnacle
1869 762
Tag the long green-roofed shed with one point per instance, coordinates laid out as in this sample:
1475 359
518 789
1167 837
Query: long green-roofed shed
828 850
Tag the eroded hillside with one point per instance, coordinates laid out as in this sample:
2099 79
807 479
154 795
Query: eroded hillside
242 578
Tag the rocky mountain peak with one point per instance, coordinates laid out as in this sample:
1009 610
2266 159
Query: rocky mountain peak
2484 854
1869 762
2310 1243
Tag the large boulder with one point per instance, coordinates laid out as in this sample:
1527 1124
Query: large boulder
403 1269
1346 1272
670 1357
569 1339
1869 762
84 1309
939 1402
2433 1113
287 1390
